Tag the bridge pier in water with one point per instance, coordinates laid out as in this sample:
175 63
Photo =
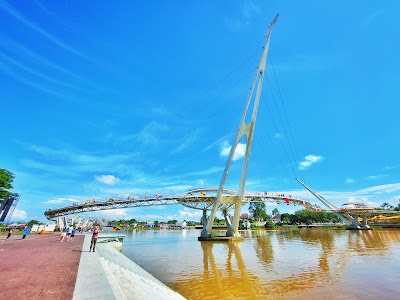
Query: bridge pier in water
357 225
364 223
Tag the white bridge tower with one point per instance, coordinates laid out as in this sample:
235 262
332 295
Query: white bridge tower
244 129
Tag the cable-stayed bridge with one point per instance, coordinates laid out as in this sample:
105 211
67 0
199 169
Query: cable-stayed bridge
214 199
202 199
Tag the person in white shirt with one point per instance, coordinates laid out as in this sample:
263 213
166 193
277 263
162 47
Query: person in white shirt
70 228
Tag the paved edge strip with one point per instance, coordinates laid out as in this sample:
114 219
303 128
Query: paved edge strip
91 281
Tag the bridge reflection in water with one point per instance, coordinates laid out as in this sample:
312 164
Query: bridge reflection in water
296 264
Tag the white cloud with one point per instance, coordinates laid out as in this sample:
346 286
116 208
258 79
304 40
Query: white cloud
19 215
373 177
177 188
62 200
161 110
309 160
390 167
114 214
225 149
381 189
108 179
349 180
191 214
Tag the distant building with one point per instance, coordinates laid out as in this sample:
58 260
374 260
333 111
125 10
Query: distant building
149 224
244 216
276 219
246 224
181 224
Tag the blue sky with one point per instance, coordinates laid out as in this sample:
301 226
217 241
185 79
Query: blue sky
128 97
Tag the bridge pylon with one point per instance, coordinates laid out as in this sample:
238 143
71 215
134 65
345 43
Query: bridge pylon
246 129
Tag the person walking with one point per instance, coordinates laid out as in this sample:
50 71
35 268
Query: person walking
70 228
26 231
95 235
9 233
72 235
63 234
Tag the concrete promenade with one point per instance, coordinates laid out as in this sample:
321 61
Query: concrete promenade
38 267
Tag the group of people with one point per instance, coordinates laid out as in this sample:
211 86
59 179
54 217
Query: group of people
27 229
68 234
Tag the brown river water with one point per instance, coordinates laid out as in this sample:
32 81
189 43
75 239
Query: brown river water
302 264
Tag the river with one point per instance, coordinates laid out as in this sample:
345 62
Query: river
298 264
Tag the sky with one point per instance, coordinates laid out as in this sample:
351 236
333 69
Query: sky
110 99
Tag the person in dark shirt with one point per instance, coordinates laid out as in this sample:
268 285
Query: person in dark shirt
72 234
9 233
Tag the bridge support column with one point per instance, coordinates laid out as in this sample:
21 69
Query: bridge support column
364 222
204 233
60 223
355 224
230 231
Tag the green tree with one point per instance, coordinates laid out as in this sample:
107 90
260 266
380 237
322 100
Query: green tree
398 206
32 222
258 211
386 205
6 178
216 221
275 212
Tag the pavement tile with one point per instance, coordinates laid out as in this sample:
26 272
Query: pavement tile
39 267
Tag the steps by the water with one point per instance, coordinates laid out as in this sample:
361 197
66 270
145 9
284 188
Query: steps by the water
128 285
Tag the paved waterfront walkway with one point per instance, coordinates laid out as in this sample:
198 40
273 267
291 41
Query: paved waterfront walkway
38 267
92 282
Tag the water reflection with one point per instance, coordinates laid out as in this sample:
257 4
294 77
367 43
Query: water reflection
308 263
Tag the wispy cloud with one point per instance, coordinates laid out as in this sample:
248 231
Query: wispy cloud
306 63
390 167
160 110
148 135
36 73
30 83
225 149
372 17
248 11
309 160
73 163
14 13
204 172
61 200
30 55
349 180
374 177
233 23
114 214
218 141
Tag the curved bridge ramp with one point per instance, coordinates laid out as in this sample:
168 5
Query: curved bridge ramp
202 199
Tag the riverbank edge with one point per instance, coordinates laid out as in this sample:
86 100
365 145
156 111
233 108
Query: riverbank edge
92 281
